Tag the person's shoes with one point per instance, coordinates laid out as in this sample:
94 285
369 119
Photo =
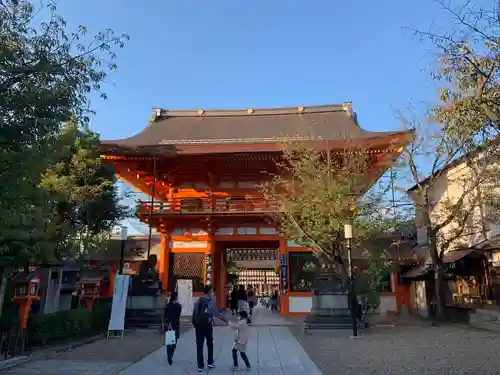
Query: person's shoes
169 360
211 365
236 368
201 369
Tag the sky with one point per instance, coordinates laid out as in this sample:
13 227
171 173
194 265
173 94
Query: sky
250 54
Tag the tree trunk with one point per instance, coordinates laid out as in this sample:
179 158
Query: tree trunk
439 292
3 287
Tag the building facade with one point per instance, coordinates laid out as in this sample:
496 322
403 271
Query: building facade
203 171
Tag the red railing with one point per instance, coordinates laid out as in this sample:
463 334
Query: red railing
208 205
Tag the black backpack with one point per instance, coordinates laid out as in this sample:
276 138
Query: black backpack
202 314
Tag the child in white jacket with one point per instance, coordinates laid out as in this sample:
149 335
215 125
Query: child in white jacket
241 340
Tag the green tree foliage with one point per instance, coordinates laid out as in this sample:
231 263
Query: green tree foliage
83 190
468 65
232 272
46 76
318 193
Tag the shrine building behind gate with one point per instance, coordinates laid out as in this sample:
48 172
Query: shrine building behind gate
203 171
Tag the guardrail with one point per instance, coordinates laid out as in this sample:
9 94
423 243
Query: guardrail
209 205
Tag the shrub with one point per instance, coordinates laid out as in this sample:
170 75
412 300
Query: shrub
49 328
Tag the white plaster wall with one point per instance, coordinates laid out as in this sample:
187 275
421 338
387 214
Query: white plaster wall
267 230
388 303
224 231
300 304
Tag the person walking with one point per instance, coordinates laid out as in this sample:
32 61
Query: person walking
234 300
204 312
241 340
243 302
171 319
252 299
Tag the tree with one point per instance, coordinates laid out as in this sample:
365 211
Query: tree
84 191
232 272
318 192
468 65
452 188
46 76
456 142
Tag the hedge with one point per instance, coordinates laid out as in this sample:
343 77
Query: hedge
46 329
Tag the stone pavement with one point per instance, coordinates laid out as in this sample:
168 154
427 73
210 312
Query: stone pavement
101 357
271 351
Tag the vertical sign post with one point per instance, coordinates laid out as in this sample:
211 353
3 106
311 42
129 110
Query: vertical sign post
208 269
284 281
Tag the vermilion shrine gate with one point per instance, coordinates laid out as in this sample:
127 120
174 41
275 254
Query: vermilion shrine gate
202 170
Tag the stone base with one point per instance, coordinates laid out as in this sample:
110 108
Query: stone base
329 311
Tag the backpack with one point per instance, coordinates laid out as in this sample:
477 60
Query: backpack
202 314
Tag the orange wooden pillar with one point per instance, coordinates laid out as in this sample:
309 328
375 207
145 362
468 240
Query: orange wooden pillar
164 261
403 297
284 278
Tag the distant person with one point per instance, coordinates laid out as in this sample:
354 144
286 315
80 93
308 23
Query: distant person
171 318
204 312
234 300
243 302
252 299
274 301
241 340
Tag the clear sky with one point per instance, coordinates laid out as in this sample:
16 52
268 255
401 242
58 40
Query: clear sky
243 54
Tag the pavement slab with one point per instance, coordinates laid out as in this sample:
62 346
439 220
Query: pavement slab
271 351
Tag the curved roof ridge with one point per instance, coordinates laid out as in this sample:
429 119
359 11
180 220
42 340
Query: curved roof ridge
159 113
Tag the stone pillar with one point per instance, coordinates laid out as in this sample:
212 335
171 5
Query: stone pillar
164 261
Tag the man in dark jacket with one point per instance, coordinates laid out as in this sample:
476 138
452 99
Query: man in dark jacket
204 312
171 319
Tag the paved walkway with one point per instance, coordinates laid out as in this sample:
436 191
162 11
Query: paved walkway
271 350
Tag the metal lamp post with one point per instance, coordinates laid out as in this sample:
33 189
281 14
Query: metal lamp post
352 290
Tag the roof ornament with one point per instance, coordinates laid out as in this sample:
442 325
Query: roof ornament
155 115
347 107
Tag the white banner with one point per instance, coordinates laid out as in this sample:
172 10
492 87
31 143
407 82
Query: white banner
185 296
120 294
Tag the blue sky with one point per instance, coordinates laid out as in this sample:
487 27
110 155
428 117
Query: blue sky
243 54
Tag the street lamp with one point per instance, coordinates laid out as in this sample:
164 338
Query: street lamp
352 291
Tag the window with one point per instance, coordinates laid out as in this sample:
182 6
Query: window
303 267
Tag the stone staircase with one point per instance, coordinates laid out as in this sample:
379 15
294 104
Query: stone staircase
143 318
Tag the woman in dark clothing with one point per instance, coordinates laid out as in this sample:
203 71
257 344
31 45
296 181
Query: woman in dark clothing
234 300
171 318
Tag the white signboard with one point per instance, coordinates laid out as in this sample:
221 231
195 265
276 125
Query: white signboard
120 294
119 233
185 296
